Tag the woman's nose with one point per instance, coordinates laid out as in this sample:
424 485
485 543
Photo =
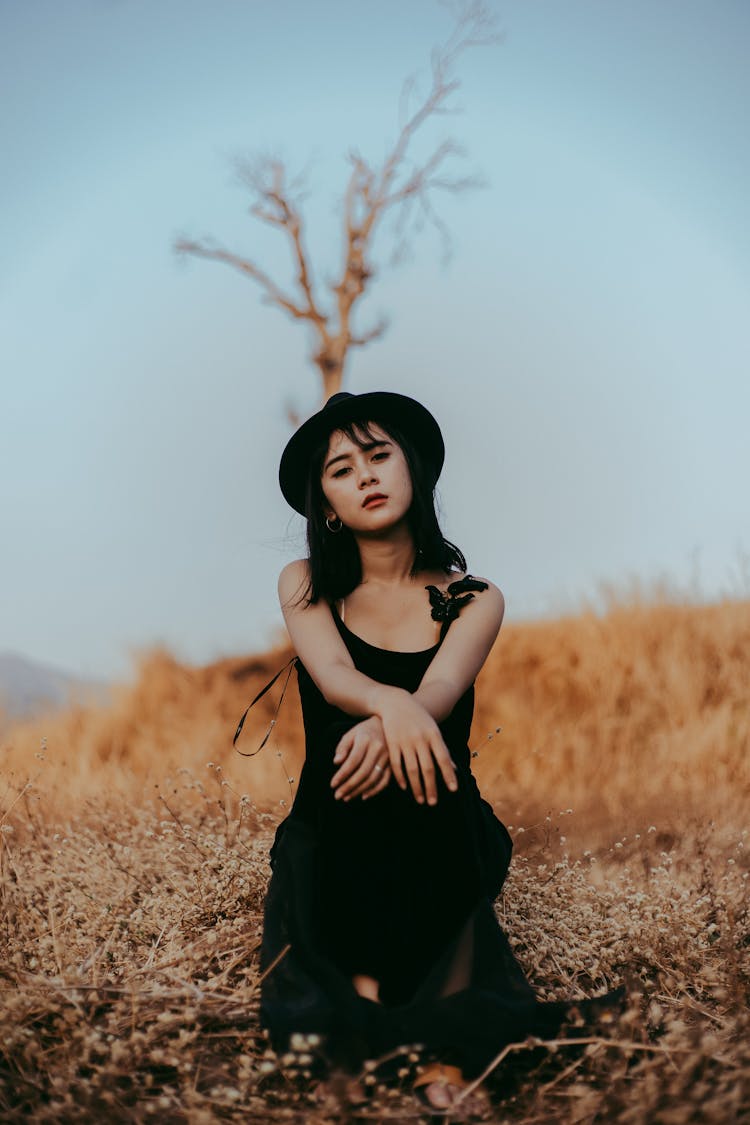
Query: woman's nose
366 476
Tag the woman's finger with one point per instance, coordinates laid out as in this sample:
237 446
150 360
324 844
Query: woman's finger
383 779
397 767
372 777
411 764
352 762
427 766
344 745
346 787
348 766
445 763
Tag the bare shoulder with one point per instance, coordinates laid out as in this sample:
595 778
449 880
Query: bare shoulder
491 599
293 581
497 601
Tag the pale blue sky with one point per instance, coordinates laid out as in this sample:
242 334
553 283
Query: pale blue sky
586 350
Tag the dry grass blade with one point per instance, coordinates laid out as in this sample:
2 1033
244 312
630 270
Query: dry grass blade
132 903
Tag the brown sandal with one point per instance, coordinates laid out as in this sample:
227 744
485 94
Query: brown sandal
438 1072
449 1076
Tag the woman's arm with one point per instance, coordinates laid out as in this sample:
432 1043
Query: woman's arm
412 735
462 654
319 646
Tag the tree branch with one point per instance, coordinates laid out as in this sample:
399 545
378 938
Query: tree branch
369 195
244 265
371 191
276 205
367 337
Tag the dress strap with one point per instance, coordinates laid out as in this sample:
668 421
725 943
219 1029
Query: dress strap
447 606
290 665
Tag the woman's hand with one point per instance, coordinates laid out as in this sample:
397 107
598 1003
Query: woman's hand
414 744
365 769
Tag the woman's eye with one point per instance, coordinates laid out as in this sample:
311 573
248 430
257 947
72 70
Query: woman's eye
382 453
340 472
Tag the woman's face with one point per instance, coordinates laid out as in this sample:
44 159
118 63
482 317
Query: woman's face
368 488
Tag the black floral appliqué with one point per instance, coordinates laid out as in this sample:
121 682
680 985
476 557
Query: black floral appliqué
447 606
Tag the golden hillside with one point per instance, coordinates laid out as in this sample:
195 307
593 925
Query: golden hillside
643 708
133 877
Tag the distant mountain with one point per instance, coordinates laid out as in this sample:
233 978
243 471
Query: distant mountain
28 688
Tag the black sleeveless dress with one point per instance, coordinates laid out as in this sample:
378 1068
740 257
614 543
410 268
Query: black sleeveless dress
387 887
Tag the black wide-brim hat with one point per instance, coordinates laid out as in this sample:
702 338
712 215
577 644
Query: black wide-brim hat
408 415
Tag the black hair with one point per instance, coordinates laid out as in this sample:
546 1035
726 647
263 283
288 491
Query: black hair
334 560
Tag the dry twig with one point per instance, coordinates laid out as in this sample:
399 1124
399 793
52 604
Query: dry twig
371 192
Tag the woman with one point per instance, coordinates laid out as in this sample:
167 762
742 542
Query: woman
379 928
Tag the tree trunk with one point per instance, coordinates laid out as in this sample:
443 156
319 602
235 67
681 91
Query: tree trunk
331 367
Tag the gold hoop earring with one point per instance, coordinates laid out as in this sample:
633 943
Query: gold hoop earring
334 530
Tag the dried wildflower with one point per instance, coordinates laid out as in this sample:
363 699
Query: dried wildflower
679 919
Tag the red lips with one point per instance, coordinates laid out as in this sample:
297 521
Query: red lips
373 498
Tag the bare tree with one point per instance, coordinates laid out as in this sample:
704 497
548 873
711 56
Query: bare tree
371 192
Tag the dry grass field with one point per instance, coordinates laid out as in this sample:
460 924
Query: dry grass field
134 863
